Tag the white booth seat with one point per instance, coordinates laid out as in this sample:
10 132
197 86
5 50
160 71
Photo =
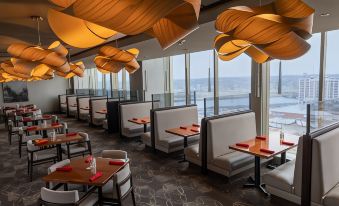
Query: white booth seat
63 104
171 118
96 105
83 102
72 100
286 180
222 131
133 110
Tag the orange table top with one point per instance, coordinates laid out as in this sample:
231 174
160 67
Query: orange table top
271 143
60 139
102 111
143 120
44 127
80 175
185 131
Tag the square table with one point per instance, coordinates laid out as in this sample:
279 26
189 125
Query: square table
102 111
141 121
80 175
273 143
85 108
61 139
185 132
44 128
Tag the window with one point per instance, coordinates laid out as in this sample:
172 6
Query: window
128 86
202 77
331 89
99 80
108 82
178 79
120 80
234 84
293 84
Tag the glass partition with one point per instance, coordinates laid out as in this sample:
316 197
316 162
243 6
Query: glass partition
170 100
226 104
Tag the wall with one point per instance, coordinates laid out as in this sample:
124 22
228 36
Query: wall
43 93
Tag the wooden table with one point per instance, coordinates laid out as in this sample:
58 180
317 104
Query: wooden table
102 111
185 132
73 105
141 121
80 175
36 120
44 128
61 139
272 143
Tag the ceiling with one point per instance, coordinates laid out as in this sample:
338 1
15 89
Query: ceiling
17 26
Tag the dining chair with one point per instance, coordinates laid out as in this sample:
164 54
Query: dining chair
79 148
12 130
53 168
24 137
114 154
39 155
70 198
118 189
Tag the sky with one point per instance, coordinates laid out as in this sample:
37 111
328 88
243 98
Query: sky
309 63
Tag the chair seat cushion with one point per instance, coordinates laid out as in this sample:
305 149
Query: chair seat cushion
42 155
233 161
332 197
281 177
176 141
192 151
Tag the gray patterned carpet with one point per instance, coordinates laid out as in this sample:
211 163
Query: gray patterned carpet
158 178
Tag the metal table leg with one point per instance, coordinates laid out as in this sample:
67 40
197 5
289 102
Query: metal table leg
256 182
100 196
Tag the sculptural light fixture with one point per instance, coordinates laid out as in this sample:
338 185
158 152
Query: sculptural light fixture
278 30
91 22
111 59
32 62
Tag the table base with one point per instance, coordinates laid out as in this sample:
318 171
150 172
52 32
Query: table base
251 183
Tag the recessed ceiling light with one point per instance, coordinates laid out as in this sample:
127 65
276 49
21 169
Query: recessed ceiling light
325 14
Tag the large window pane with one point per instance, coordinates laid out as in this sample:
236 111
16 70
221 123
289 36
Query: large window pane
331 94
234 84
202 76
293 84
108 82
178 80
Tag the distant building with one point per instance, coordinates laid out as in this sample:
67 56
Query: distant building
309 89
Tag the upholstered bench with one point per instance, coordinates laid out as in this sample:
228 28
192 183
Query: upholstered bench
286 180
171 118
222 131
129 111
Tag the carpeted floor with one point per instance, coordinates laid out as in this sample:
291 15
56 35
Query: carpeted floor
158 178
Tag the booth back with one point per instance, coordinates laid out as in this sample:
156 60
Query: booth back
63 98
83 102
71 100
229 130
96 105
134 110
325 167
172 118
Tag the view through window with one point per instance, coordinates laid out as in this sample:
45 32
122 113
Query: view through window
178 83
293 84
234 84
202 77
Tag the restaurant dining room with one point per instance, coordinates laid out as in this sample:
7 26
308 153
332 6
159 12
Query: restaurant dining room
169 103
